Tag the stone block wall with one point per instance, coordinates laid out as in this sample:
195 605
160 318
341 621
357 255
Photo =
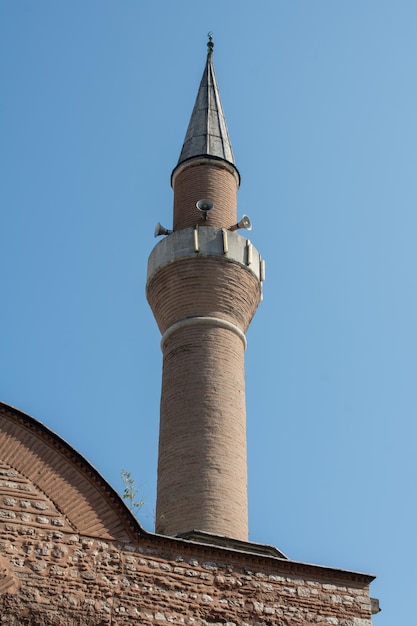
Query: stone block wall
50 577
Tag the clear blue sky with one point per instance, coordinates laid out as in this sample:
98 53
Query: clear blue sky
320 98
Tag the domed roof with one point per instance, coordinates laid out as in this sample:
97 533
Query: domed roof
42 473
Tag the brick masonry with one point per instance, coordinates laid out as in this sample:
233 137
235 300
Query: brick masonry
201 286
52 574
202 467
205 178
202 481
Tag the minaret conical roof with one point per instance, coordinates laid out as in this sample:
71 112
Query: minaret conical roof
207 133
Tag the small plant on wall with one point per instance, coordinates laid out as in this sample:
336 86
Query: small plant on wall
130 491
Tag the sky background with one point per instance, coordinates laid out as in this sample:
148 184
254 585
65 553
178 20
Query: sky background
320 98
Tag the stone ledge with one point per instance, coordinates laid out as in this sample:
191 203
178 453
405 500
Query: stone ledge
260 549
205 241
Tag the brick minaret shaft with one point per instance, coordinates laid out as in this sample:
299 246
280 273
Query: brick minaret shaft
204 285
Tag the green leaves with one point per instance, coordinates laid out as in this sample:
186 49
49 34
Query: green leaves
130 492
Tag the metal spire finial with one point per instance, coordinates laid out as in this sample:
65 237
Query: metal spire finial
210 44
207 133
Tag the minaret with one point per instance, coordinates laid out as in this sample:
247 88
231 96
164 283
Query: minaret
204 285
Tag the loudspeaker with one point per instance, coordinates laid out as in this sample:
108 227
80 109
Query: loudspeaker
161 230
205 205
244 223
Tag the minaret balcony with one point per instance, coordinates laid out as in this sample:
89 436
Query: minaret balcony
206 241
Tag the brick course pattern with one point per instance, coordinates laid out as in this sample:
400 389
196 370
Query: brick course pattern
205 178
202 467
202 482
200 286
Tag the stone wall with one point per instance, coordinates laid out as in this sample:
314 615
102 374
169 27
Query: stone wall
50 577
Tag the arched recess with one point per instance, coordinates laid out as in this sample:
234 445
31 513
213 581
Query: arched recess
87 503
